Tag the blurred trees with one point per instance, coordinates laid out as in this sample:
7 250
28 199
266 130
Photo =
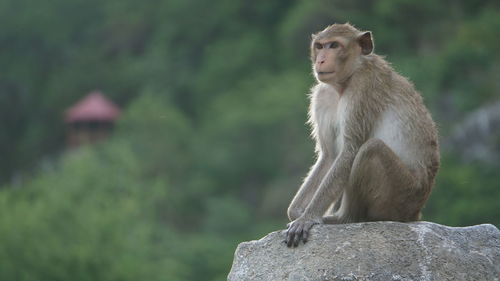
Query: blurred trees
213 143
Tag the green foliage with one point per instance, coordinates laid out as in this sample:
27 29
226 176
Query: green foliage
95 228
212 142
159 133
465 194
477 57
255 116
100 216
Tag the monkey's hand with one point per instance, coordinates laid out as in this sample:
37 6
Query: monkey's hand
299 230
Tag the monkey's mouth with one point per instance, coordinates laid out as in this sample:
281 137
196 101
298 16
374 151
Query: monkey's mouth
324 72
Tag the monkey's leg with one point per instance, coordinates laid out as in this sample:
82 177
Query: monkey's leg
335 206
381 187
308 188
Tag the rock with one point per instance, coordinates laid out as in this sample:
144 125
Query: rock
374 251
476 137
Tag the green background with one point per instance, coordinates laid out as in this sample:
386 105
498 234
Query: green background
212 143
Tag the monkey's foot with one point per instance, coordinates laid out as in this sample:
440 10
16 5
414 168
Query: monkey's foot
331 220
338 219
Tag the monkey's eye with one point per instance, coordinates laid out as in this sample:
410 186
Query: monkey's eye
334 45
318 46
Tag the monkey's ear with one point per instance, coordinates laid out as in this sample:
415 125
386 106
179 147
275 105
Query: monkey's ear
366 43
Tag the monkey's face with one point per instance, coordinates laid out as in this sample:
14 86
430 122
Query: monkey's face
336 50
327 58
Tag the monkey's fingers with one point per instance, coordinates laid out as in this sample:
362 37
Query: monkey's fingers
298 237
289 239
307 229
290 235
305 235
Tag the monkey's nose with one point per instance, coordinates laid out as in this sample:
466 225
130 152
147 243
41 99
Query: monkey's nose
320 61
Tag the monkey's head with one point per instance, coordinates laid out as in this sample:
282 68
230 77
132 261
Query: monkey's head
337 51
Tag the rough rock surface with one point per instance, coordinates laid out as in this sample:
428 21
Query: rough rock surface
374 251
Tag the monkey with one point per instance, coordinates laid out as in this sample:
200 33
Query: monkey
377 150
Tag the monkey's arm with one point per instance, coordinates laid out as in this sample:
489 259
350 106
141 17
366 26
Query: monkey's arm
355 133
335 180
309 187
332 185
330 188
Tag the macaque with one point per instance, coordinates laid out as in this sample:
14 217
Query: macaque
376 144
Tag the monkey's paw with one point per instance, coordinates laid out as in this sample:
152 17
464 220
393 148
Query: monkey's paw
299 230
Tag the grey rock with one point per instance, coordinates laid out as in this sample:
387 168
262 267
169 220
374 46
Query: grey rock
374 251
476 138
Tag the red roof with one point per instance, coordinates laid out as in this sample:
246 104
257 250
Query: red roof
94 107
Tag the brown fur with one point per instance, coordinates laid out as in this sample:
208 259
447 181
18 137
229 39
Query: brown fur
376 142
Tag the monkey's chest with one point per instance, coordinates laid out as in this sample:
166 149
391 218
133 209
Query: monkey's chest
330 125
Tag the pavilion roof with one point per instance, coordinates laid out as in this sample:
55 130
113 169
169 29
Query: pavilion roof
93 107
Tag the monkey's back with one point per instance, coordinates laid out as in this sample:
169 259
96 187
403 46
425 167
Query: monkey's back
406 126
